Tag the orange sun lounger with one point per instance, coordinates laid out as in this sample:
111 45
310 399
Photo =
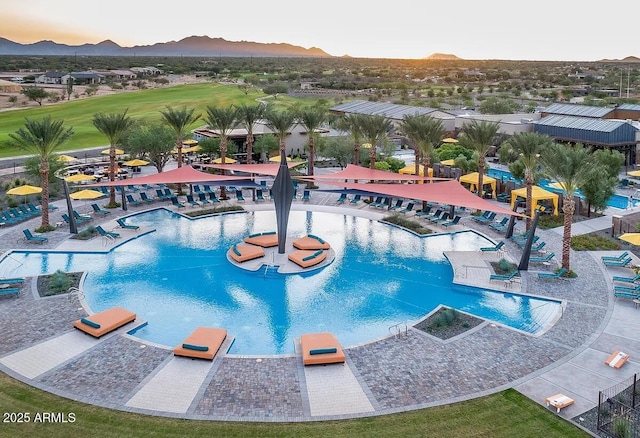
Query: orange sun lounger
101 323
617 359
310 242
306 258
265 240
242 253
320 348
202 343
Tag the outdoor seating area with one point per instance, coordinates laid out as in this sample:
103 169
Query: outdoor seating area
202 343
310 242
307 258
242 253
99 324
320 349
265 239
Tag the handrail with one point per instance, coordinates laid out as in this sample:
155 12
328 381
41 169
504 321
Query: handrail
398 330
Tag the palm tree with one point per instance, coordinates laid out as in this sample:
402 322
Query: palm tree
527 147
248 115
353 124
222 120
571 168
114 126
312 119
374 130
280 122
479 136
41 138
424 133
179 120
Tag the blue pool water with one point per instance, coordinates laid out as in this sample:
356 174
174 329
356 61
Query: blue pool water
616 201
178 278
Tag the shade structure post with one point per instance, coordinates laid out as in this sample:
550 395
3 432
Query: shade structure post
124 199
282 198
526 252
73 227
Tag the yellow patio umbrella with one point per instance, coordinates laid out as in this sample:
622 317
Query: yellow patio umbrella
24 190
277 159
79 177
632 238
86 194
118 152
67 158
634 173
449 140
189 142
135 162
448 162
365 145
411 170
227 160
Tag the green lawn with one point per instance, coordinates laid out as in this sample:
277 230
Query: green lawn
143 104
506 414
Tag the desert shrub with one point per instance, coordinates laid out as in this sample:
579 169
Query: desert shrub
60 282
546 221
593 242
621 428
403 222
215 210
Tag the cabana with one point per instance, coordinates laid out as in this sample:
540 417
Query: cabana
472 180
411 170
538 194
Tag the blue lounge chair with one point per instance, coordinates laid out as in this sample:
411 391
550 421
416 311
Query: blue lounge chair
628 295
125 226
618 263
213 198
271 195
10 291
161 196
341 199
397 205
98 210
28 213
239 196
197 190
629 290
544 259
14 280
616 258
306 196
259 195
482 217
192 202
133 201
498 246
207 189
407 209
376 202
355 199
452 222
505 277
442 219
30 237
499 225
202 197
175 202
145 198
105 233
633 279
549 275
538 246
167 193
385 204
81 217
7 218
435 215
424 212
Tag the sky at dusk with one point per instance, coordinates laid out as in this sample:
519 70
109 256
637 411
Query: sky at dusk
469 29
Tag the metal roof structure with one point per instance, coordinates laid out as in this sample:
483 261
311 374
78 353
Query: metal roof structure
587 130
577 110
389 110
629 107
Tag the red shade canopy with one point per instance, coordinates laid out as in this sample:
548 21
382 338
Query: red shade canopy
181 175
364 173
259 169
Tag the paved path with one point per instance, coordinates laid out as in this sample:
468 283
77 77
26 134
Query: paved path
392 374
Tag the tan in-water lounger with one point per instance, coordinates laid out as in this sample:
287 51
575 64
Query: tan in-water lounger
101 323
202 343
310 242
242 253
304 258
320 348
265 240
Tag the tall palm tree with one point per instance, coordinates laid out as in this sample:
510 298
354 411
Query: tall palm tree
527 147
222 120
280 122
179 120
312 119
248 115
479 137
114 126
41 138
424 133
375 129
571 168
353 124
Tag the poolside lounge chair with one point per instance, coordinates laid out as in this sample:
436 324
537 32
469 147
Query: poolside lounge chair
10 291
13 280
81 217
497 247
618 263
559 401
341 199
486 219
499 225
125 226
522 242
385 203
98 210
306 196
206 189
424 212
307 258
161 196
133 201
28 213
505 277
239 196
407 209
213 198
310 242
627 289
192 202
397 205
106 233
175 202
30 237
538 246
355 199
202 343
626 279
442 219
452 222
544 259
265 240
376 202
259 195
242 253
549 275
145 198
196 189
617 359
435 215
202 198
320 349
99 324
616 258
628 294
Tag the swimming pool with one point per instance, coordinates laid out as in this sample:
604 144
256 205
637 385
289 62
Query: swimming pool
616 201
178 278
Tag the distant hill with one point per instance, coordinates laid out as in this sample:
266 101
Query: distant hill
627 59
190 46
443 56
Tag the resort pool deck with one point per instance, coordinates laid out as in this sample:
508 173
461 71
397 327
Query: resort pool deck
393 373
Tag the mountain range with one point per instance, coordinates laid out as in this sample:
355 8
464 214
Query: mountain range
190 46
